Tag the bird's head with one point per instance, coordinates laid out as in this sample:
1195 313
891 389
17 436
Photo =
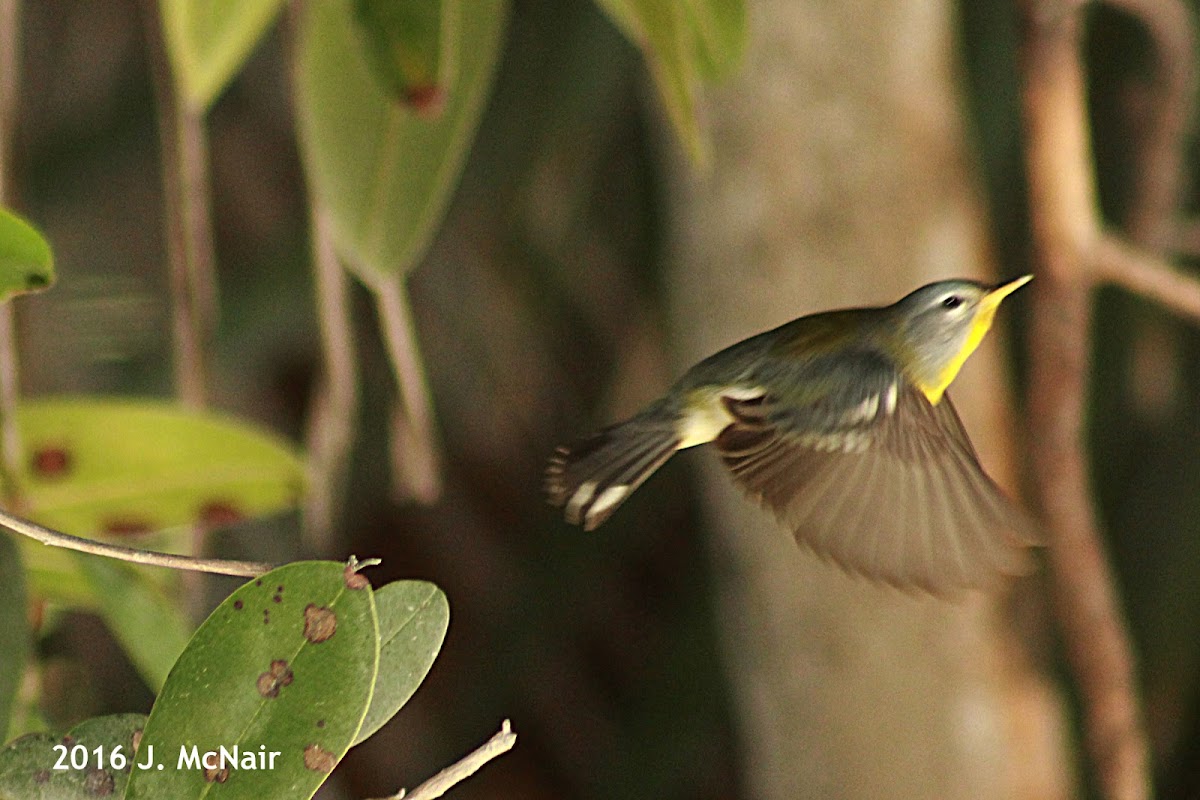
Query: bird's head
941 324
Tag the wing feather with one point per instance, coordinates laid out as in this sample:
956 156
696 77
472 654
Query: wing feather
899 497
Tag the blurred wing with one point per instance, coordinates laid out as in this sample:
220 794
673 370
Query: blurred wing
897 496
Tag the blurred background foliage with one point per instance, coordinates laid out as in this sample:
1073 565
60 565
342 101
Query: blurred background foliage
539 308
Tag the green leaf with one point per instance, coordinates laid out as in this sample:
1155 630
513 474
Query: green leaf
31 768
125 467
719 32
685 42
146 620
413 617
14 622
285 665
383 172
411 47
209 40
26 263
661 31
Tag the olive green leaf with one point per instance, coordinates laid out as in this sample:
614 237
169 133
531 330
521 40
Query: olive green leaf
685 42
413 617
383 171
14 622
284 666
412 47
144 616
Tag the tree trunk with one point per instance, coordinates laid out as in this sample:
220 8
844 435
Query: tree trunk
839 177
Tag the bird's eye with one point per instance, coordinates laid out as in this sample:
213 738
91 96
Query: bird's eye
952 301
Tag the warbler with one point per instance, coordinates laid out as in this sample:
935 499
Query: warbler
839 422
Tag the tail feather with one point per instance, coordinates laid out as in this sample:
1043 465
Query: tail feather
592 477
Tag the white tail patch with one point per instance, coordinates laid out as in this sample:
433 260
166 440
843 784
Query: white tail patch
605 501
578 500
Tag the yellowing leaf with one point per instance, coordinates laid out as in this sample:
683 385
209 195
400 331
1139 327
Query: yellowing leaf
122 467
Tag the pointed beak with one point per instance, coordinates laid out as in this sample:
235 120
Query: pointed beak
992 299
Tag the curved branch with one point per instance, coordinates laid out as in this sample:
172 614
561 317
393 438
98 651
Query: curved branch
53 538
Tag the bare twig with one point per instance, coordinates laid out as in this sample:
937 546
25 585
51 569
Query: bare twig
189 230
53 538
1066 230
10 63
1145 274
415 453
439 784
332 423
1165 119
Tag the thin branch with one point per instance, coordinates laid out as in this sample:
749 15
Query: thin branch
10 74
415 452
1165 120
1143 273
1066 228
53 538
439 784
332 423
190 259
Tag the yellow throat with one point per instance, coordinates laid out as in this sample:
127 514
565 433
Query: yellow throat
980 325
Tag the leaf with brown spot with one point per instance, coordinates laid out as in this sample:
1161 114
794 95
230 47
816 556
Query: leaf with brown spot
99 783
50 462
216 775
150 461
219 514
270 682
319 623
120 527
384 174
319 759
27 764
243 683
135 466
355 579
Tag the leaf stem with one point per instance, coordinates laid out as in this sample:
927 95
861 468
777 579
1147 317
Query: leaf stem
332 424
415 452
184 145
10 432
